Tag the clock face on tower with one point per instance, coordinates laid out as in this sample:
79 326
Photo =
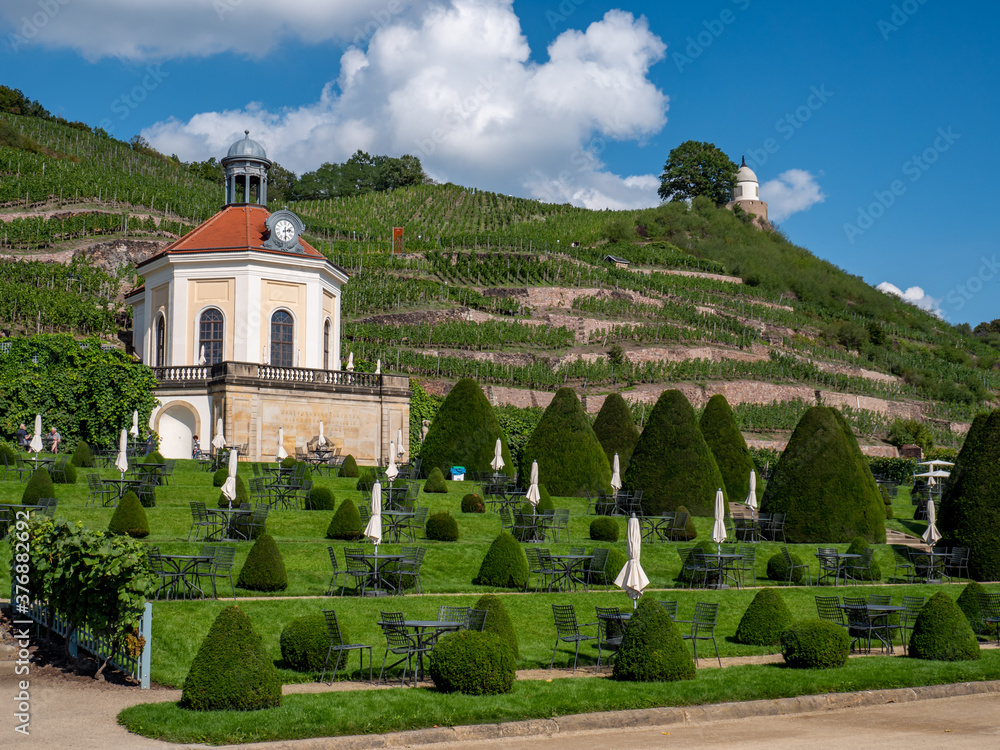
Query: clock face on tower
284 230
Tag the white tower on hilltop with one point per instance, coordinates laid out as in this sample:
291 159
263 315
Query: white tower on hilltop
746 195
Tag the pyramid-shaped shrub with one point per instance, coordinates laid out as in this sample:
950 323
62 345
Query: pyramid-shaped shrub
435 482
498 621
652 649
726 442
969 515
942 632
346 522
764 620
83 457
130 518
264 569
968 602
616 430
242 495
305 643
232 670
38 486
504 564
349 468
824 485
570 458
672 464
464 432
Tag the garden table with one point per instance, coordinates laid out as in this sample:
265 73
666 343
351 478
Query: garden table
393 497
231 518
185 567
377 567
935 561
656 528
570 569
426 632
396 520
45 461
152 472
840 558
725 562
878 611
124 485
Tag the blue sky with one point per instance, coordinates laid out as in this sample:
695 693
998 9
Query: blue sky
868 123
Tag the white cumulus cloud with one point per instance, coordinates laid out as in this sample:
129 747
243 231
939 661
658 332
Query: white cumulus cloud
454 85
915 295
792 191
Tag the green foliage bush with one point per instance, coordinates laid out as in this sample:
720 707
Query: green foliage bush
690 532
130 518
70 475
815 644
504 564
435 482
442 527
616 561
777 570
8 452
242 494
472 503
321 498
942 632
464 432
570 458
859 545
305 643
672 464
220 476
154 457
349 468
264 569
39 486
898 470
764 620
968 602
904 431
288 462
472 663
365 481
83 458
824 485
604 529
718 425
232 670
498 621
616 431
652 649
346 522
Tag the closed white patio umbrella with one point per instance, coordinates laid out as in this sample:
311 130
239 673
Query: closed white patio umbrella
282 454
391 470
322 438
378 367
219 439
752 495
399 442
533 494
229 486
201 356
719 527
932 535
350 362
121 462
616 477
373 531
497 462
36 439
134 432
632 578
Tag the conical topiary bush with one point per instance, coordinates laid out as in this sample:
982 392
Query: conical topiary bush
726 442
652 649
464 432
968 602
824 485
39 486
969 515
346 522
130 518
435 482
764 620
616 430
232 670
570 458
242 495
504 564
672 463
498 621
83 457
349 468
942 633
264 570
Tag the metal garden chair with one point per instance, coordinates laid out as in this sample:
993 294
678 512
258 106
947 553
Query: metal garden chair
702 627
568 631
337 644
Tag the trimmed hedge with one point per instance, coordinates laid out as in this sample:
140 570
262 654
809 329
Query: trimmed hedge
672 464
242 494
435 482
859 545
83 457
504 565
232 670
968 602
70 472
472 663
616 561
464 432
726 442
498 621
765 619
441 527
652 649
616 431
823 484
129 518
777 570
346 522
264 570
154 457
472 503
570 457
604 529
942 632
690 532
305 643
39 486
9 452
220 476
321 498
349 468
815 644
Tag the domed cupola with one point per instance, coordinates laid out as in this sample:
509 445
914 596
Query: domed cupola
747 188
246 167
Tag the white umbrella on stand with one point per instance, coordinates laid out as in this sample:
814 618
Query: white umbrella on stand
350 362
616 475
752 495
201 357
719 527
121 463
533 494
134 432
497 462
399 442
282 453
219 440
322 438
229 486
632 578
378 367
36 439
932 535
932 476
373 530
391 471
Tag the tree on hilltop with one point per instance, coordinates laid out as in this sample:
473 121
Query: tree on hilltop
695 168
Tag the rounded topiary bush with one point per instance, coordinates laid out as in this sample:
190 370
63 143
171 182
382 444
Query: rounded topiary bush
83 457
349 468
652 649
69 475
777 570
320 498
441 527
504 564
38 486
690 532
365 481
472 663
435 481
305 643
288 462
8 452
942 632
220 476
473 504
615 562
968 602
604 529
498 621
242 494
130 518
232 670
874 573
346 522
544 499
264 570
815 644
764 620
154 457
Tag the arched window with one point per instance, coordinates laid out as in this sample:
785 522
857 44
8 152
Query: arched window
160 357
210 337
282 337
326 345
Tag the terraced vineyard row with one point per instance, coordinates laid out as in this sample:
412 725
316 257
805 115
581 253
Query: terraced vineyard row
489 335
35 232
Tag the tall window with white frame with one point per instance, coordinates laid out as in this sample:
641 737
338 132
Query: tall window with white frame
160 355
326 345
211 338
282 339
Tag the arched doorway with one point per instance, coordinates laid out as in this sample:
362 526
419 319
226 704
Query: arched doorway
177 425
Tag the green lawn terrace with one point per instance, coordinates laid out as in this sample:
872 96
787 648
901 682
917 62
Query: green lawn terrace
446 575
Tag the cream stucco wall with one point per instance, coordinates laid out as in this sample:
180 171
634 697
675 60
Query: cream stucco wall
203 294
